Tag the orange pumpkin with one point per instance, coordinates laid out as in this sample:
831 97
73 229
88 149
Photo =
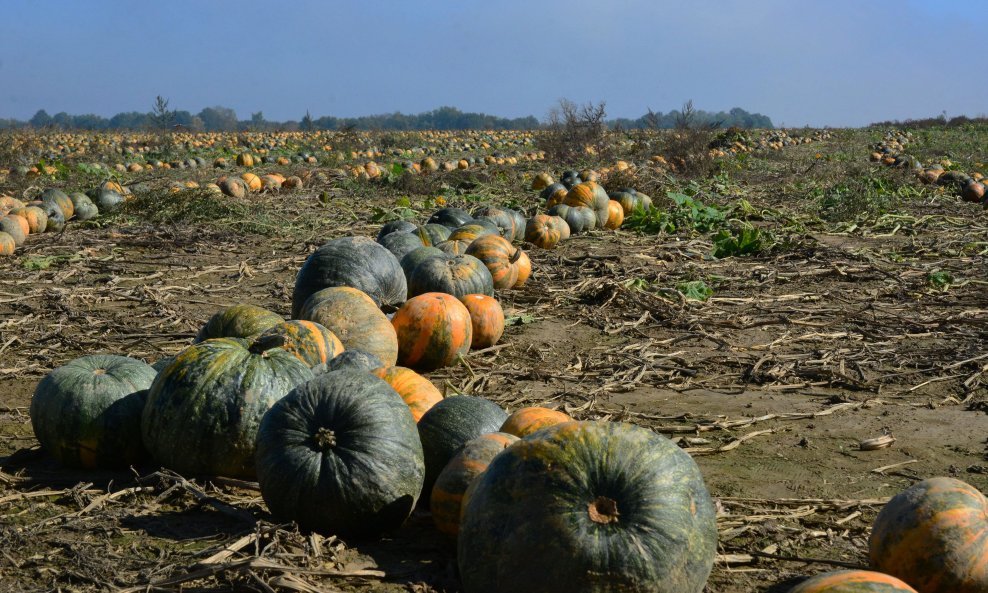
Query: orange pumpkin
36 218
501 258
245 160
7 244
19 221
615 215
8 203
525 421
418 393
852 581
542 231
542 181
486 318
310 342
253 181
524 269
433 330
934 536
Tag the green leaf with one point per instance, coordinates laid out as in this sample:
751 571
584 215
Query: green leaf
695 290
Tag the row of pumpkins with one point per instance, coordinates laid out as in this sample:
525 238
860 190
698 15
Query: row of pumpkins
50 211
891 153
342 440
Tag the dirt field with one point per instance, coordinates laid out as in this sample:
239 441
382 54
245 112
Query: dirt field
839 333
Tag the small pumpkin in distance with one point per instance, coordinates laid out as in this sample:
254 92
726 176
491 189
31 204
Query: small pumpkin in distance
447 493
418 393
525 421
852 581
434 329
487 319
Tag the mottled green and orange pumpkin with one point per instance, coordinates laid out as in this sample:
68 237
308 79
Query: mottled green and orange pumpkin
354 360
310 342
580 219
340 455
542 231
503 218
7 243
14 226
449 425
457 275
355 319
502 259
487 318
36 218
615 215
852 581
203 409
588 507
418 393
87 413
453 247
238 321
472 230
934 536
434 329
471 461
60 199
525 421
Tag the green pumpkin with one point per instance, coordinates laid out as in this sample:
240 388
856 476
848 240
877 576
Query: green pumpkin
458 275
433 233
204 408
415 257
238 321
401 244
449 424
451 217
340 454
588 507
579 218
87 413
500 217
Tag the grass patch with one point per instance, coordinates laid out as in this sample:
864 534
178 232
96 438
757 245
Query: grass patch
200 207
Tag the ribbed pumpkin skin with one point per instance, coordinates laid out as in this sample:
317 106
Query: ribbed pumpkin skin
60 199
627 199
401 244
36 218
579 218
501 217
934 536
357 262
525 421
87 413
363 481
449 425
14 226
356 321
354 360
418 393
520 221
615 215
395 226
417 256
852 581
471 461
540 519
453 247
310 342
7 243
204 408
433 329
433 233
238 321
471 231
487 318
500 257
18 221
457 275
524 269
540 231
450 217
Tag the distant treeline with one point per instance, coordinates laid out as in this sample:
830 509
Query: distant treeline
931 122
224 119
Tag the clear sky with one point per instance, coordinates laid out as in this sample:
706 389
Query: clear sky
815 62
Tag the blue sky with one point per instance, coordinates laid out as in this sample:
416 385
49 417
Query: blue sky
801 62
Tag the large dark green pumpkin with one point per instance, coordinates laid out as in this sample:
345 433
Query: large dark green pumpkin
433 233
340 454
354 360
357 262
458 275
395 226
414 258
401 244
449 424
87 413
238 321
204 408
451 217
588 507
579 218
501 217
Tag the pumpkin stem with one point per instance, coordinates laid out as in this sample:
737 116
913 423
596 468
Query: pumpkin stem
265 343
515 256
603 510
325 439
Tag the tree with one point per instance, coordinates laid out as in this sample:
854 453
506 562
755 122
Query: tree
162 117
219 119
307 124
257 120
40 119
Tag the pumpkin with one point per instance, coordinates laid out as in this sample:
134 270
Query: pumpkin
310 342
434 329
627 198
16 225
450 217
449 424
559 224
934 536
340 455
973 191
87 413
233 187
36 218
8 203
615 215
541 181
503 260
238 321
204 408
84 208
589 506
12 237
487 319
354 360
432 233
355 319
520 221
395 226
357 262
579 219
59 199
446 499
417 256
553 194
107 200
500 217
453 247
471 231
401 244
852 581
457 275
525 421
418 392
245 159
56 219
541 232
